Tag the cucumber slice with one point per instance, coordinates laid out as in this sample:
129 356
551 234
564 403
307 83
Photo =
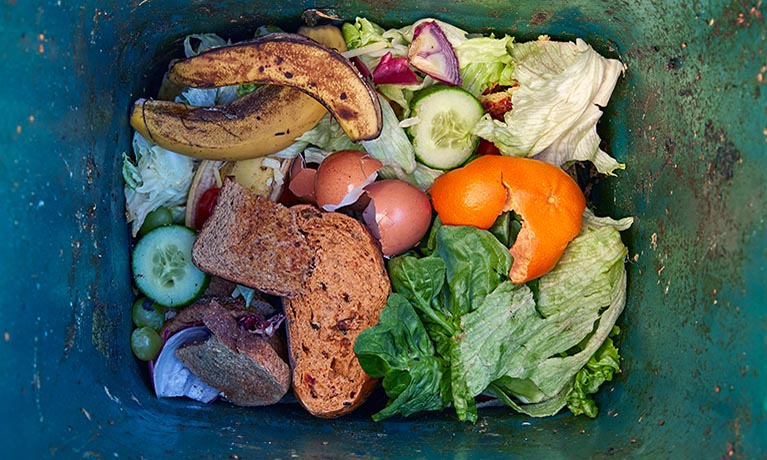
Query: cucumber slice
442 138
163 269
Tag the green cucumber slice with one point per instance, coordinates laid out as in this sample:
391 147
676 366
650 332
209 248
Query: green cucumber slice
163 269
442 138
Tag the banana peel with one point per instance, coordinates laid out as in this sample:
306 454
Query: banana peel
302 78
291 60
257 124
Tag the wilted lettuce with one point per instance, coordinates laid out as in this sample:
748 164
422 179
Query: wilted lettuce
556 107
537 353
155 177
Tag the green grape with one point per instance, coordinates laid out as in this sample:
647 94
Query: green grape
145 343
157 218
149 313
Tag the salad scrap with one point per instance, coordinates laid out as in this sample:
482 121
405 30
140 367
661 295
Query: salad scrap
510 292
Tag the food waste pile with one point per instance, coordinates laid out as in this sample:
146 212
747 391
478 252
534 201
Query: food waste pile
326 212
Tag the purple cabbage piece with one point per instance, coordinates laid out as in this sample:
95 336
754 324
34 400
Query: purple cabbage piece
171 378
257 325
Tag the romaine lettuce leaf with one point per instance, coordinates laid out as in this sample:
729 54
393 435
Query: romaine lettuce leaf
556 107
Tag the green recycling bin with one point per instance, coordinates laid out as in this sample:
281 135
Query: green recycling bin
688 119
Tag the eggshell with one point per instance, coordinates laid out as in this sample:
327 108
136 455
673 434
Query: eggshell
342 176
399 215
301 183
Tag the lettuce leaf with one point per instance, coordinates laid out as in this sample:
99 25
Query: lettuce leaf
399 350
484 62
579 302
599 369
392 147
537 352
556 107
157 177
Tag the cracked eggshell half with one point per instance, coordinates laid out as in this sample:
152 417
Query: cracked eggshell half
341 178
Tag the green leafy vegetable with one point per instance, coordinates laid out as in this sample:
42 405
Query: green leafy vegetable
562 86
154 177
537 353
399 350
484 62
392 147
599 369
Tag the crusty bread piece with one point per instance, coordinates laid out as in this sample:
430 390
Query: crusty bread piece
253 241
344 294
248 369
330 273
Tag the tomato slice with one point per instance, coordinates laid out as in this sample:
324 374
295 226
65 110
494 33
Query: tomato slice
486 147
205 206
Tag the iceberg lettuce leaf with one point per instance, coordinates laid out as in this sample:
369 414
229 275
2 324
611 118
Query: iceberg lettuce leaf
484 62
556 106
157 177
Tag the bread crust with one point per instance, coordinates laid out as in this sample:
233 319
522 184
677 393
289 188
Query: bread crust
330 273
344 294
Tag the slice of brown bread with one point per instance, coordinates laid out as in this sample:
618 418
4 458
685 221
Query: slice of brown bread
330 273
253 241
248 369
344 294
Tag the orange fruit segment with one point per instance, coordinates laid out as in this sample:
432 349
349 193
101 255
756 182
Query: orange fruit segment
549 201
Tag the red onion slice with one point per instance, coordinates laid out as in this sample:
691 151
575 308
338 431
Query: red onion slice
394 71
431 53
171 378
362 68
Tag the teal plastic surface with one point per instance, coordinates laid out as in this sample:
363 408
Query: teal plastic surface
689 120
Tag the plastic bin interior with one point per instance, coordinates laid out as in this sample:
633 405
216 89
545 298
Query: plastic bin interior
689 119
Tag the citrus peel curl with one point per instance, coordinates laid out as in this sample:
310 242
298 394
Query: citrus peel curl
549 201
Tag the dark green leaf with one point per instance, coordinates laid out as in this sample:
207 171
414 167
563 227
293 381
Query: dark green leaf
399 350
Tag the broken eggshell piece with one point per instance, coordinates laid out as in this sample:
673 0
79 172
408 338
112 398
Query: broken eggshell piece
301 181
171 378
342 177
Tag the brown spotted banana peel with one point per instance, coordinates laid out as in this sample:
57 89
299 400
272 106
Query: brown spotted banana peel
260 123
291 60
